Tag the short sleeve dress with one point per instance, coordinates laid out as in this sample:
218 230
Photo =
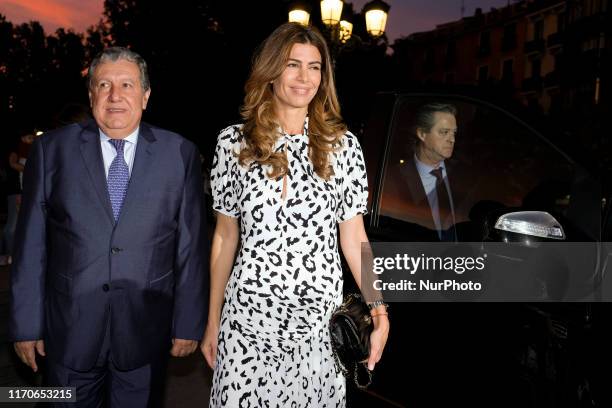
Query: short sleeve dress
274 347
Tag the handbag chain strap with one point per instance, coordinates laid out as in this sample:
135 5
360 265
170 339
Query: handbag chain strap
356 377
339 366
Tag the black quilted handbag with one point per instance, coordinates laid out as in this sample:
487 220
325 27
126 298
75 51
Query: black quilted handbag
350 328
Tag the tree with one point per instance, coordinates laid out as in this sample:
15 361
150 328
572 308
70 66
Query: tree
198 55
39 74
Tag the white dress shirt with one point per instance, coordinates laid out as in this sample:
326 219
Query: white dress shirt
428 181
109 152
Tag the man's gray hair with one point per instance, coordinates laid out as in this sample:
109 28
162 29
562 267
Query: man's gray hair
425 115
113 54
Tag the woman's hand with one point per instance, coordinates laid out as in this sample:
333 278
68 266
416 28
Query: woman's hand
378 337
209 344
222 251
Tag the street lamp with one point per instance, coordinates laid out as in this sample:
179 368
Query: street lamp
299 16
346 29
300 13
376 13
331 10
337 19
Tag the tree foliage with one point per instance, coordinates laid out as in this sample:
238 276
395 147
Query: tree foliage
199 56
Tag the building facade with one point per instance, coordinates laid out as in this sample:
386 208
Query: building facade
549 54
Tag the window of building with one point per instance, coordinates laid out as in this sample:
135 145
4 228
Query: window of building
538 30
536 68
451 51
509 39
595 6
589 44
485 42
555 104
561 22
533 104
557 62
429 60
483 74
508 70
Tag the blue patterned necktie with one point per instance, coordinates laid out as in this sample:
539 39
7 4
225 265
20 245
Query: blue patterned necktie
118 178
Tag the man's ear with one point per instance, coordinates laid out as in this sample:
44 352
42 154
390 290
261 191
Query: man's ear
90 99
145 98
420 134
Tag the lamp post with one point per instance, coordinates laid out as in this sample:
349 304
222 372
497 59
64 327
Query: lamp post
300 13
346 30
337 23
331 10
376 12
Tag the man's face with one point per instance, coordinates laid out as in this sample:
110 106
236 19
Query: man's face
299 82
117 98
438 143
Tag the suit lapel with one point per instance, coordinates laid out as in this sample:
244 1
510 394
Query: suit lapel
139 182
418 195
417 191
92 158
453 230
449 171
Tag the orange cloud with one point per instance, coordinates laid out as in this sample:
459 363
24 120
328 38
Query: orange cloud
53 14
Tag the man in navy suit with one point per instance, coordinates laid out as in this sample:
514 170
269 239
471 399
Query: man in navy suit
110 262
426 174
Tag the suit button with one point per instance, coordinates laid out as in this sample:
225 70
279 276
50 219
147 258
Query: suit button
105 287
115 250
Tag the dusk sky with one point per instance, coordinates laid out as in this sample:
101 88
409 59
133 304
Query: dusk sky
405 17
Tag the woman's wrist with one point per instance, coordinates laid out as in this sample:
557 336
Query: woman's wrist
213 320
379 309
380 315
376 304
380 320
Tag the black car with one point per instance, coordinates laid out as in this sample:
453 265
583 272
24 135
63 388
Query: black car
488 354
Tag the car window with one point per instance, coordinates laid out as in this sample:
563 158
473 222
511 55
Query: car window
373 147
497 162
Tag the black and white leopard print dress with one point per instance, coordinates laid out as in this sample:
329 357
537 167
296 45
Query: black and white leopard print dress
274 348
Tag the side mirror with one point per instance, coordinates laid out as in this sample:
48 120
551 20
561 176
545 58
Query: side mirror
526 266
524 227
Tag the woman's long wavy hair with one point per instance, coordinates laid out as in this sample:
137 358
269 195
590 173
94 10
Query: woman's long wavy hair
325 125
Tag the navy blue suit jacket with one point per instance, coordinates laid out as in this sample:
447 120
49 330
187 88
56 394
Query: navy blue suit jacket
419 210
75 268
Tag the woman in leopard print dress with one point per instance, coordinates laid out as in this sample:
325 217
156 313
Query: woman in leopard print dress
282 182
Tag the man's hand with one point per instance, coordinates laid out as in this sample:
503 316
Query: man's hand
182 348
25 352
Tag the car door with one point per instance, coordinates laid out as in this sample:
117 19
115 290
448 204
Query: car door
499 161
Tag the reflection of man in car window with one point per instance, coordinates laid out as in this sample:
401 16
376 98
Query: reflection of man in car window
435 129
